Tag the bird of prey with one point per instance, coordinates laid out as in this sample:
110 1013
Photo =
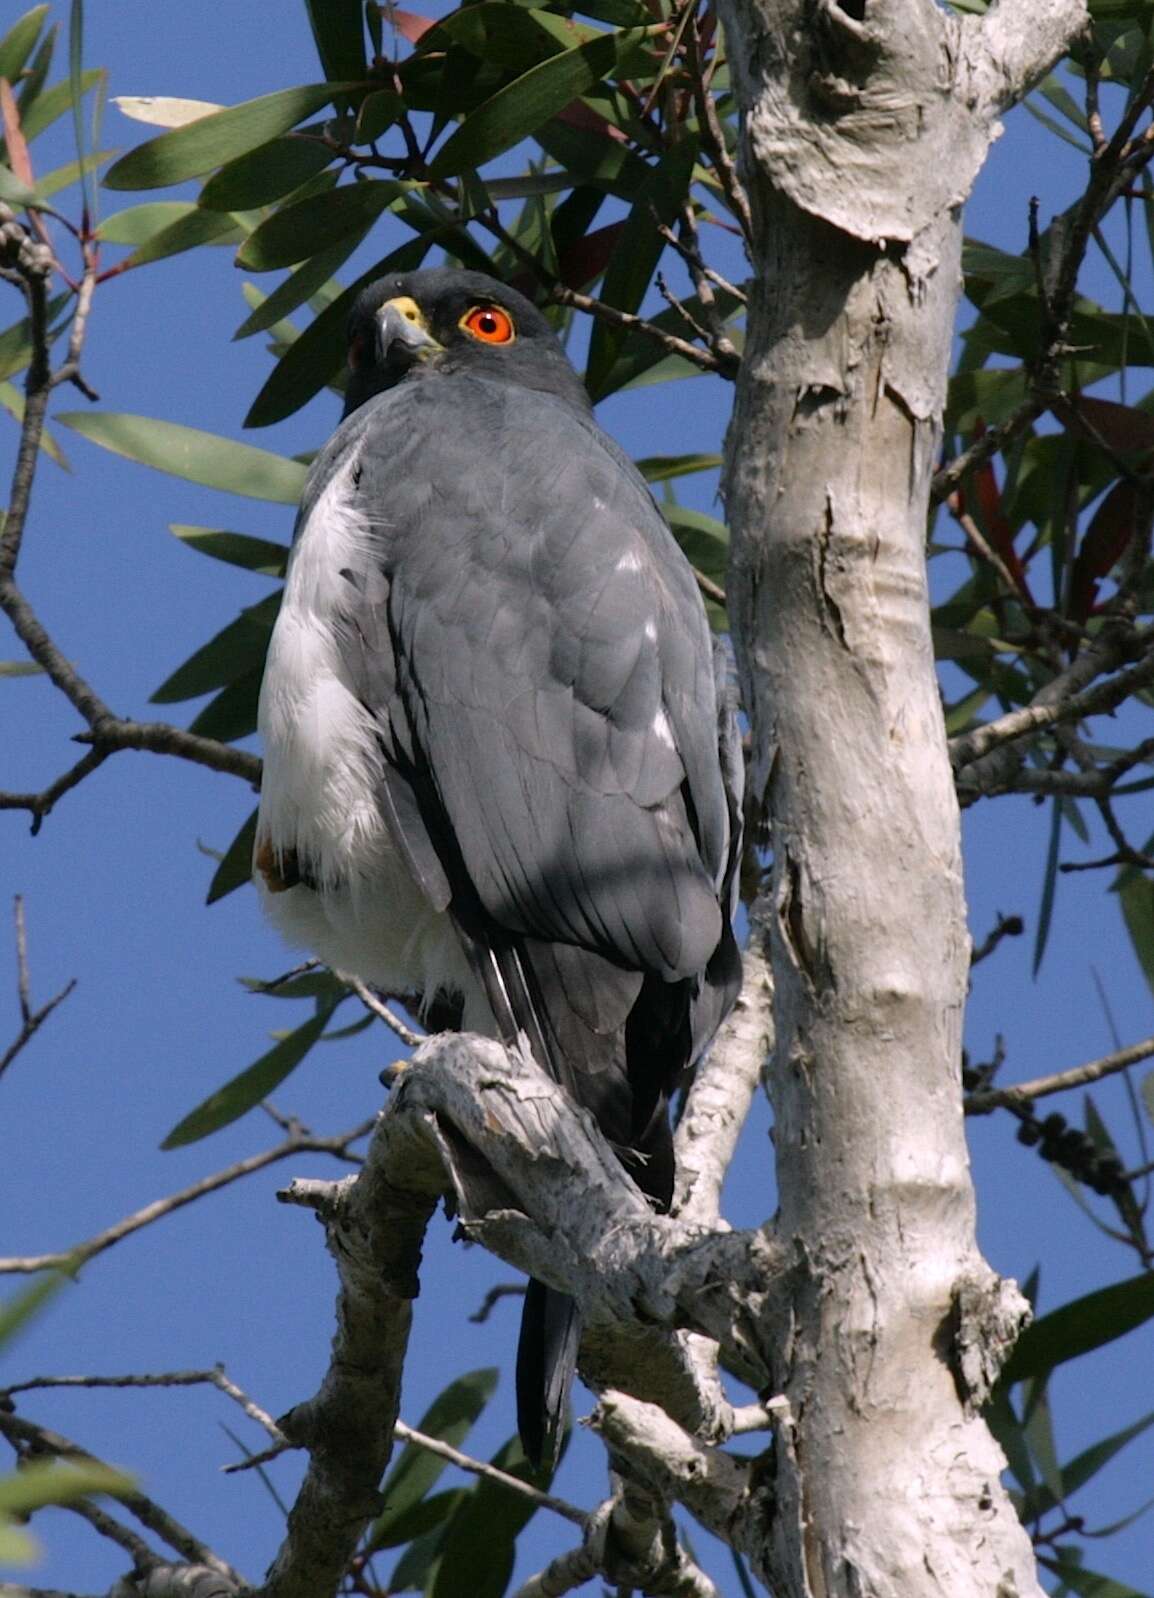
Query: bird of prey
500 777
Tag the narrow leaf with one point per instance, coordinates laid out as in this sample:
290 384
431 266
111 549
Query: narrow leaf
189 453
233 713
339 34
53 103
210 141
232 1100
236 650
1137 896
19 42
310 279
236 867
526 104
185 233
300 230
136 223
1049 886
1087 1323
164 111
478 1550
261 555
448 1418
266 174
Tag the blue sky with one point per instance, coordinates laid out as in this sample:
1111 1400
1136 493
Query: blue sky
114 889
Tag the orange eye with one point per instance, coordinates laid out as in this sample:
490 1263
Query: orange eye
489 324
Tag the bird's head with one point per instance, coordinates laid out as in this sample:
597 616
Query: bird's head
446 320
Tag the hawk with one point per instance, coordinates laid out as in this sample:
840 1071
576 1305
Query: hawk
500 773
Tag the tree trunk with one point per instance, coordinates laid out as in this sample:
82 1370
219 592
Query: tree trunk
863 127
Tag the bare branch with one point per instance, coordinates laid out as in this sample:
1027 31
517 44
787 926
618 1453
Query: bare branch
215 1377
1004 927
380 1009
478 1467
295 1143
1064 699
32 1441
707 360
374 1227
723 1089
31 1020
1078 1076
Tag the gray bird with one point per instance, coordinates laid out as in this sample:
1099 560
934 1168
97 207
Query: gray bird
500 776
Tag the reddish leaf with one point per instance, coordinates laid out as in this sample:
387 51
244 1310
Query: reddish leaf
1120 427
18 158
988 499
1103 546
587 258
579 115
411 25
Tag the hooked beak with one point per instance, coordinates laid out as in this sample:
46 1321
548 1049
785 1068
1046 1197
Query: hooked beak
403 337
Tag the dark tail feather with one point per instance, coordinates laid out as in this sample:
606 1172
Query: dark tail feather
546 1364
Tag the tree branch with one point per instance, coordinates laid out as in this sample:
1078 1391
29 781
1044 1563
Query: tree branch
1078 1076
296 1143
30 1020
32 1441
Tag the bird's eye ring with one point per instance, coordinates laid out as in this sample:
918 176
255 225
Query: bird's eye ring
489 323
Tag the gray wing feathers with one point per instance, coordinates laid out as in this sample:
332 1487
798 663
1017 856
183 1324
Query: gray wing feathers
548 644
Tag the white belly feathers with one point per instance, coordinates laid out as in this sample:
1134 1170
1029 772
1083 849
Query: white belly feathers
356 905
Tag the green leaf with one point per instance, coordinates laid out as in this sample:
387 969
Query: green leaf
414 1570
261 555
662 468
191 151
36 73
16 341
233 713
310 225
17 1547
526 104
311 279
448 1418
319 354
421 1517
339 34
479 1546
266 174
136 223
236 867
377 114
1086 1583
13 192
185 233
1086 1465
235 651
19 42
20 668
44 1482
17 1312
76 96
1137 897
1087 1323
635 259
1049 885
232 1100
54 102
189 453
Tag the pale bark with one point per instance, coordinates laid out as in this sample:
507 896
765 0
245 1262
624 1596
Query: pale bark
864 126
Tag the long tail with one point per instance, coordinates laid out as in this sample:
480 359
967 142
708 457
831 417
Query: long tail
546 1364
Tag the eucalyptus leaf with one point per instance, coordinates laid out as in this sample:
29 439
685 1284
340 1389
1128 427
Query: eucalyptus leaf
189 453
210 141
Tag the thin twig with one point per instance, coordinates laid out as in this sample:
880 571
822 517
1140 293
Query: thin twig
380 1009
1093 701
478 1467
1004 927
31 1020
707 360
215 1377
493 1297
82 1252
1041 1087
